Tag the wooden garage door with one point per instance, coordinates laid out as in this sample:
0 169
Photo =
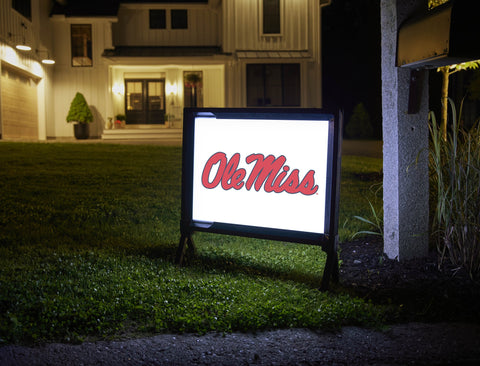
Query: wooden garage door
19 105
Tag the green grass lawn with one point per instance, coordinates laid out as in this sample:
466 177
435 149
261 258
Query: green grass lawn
88 234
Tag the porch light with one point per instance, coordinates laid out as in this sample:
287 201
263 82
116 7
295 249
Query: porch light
172 89
118 89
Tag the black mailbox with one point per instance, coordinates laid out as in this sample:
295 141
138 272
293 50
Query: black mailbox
446 35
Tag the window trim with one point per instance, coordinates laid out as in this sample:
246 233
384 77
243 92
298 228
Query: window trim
282 18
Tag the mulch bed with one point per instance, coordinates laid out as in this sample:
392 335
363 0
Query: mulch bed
425 292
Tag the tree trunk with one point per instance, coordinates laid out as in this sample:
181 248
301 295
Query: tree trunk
444 98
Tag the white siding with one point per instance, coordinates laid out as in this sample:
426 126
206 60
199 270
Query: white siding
244 33
213 87
133 28
92 81
37 34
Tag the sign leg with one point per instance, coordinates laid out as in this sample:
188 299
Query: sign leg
186 242
331 271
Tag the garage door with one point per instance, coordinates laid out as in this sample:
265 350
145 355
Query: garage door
19 105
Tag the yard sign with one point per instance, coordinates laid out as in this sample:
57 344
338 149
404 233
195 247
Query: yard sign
264 173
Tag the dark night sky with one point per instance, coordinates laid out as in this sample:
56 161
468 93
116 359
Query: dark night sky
351 58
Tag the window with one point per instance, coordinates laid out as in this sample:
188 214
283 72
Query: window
273 85
81 45
24 7
179 19
271 17
158 19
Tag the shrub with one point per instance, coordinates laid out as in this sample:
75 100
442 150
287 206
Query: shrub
455 165
359 125
79 110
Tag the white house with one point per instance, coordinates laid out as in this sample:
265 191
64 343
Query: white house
149 60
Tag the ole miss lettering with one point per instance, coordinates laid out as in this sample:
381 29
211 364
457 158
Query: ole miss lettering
268 172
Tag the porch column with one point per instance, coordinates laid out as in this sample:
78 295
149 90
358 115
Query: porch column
405 139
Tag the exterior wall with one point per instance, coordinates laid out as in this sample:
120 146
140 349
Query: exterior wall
213 85
91 81
36 32
133 27
242 26
301 24
231 24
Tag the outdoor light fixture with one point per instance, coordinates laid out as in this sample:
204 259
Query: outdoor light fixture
172 89
22 45
118 89
46 60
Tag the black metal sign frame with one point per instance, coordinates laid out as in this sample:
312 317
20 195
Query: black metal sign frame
327 240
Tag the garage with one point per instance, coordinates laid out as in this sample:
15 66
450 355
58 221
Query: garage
19 116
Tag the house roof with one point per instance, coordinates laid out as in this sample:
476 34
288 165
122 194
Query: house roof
89 8
162 51
274 54
85 8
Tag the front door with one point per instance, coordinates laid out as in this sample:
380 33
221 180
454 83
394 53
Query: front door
145 101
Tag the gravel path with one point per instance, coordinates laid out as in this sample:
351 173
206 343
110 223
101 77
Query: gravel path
405 344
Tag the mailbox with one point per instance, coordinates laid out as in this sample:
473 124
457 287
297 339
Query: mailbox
446 35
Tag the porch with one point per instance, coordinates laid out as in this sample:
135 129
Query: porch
144 132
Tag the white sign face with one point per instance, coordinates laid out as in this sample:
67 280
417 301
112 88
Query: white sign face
264 173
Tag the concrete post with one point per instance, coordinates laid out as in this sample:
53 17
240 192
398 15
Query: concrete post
405 144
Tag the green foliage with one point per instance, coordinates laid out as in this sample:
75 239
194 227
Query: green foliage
434 3
120 117
360 193
80 264
193 78
455 165
375 222
359 125
446 72
79 110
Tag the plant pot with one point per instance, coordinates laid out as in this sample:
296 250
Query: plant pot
81 131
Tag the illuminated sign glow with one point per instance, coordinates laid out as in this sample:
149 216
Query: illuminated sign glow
267 173
263 173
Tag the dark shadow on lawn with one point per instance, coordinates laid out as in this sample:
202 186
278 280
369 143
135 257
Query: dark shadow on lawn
230 264
214 262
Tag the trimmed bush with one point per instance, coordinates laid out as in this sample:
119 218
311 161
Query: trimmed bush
79 110
359 125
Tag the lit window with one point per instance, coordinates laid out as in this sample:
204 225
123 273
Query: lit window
81 45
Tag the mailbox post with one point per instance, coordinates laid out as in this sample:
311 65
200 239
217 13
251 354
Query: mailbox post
414 40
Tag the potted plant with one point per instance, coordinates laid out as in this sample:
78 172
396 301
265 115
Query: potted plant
81 115
120 120
192 81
